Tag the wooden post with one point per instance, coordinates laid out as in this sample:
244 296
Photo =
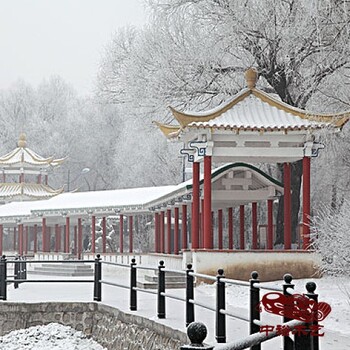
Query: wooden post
287 207
66 248
184 226
93 234
131 240
176 230
230 228
35 238
306 202
195 206
80 238
270 224
162 232
241 228
156 232
121 233
168 227
254 225
44 236
220 235
104 234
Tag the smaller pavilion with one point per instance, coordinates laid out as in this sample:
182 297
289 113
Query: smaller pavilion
25 174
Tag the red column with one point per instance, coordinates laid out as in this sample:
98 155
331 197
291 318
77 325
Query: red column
287 208
39 179
220 236
131 248
195 206
156 232
241 228
66 248
44 236
306 202
104 234
93 234
176 230
208 241
121 233
168 229
20 239
184 226
75 239
162 232
269 224
80 238
201 227
254 225
35 238
1 238
230 228
25 240
14 238
56 239
48 239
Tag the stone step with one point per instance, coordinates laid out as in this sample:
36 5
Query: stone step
178 278
76 269
65 266
153 285
61 273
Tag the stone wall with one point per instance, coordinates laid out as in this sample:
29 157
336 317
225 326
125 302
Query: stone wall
110 327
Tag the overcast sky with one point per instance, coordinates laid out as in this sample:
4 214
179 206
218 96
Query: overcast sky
39 38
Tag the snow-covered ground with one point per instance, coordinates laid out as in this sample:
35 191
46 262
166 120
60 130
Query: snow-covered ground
51 336
332 291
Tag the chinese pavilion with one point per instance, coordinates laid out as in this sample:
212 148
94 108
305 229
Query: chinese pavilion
25 174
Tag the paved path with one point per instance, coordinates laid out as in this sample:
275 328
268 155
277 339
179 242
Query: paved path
147 304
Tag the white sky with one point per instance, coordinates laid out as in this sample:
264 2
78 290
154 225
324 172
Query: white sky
40 38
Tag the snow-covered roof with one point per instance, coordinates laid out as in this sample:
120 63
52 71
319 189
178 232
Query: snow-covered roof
24 157
243 183
252 110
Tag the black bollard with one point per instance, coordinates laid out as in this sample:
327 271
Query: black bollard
196 332
189 295
133 279
288 343
161 289
311 287
254 311
3 278
220 305
97 279
17 272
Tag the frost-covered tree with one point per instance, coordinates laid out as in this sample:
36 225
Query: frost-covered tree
193 52
330 229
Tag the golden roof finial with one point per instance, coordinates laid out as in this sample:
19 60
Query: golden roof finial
251 77
22 142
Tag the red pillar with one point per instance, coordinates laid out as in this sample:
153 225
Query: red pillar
184 226
66 248
195 206
1 238
176 230
269 224
93 234
306 202
75 239
208 241
162 232
56 238
14 238
121 233
131 248
20 239
156 232
168 229
287 208
201 226
241 228
254 225
220 238
48 239
35 238
25 240
39 179
104 234
44 236
80 238
230 228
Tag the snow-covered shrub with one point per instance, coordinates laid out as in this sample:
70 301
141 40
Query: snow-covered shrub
330 231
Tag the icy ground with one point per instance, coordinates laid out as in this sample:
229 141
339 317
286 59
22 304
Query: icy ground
52 336
333 291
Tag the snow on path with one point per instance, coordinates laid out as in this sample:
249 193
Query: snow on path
52 336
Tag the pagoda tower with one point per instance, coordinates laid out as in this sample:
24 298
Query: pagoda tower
25 174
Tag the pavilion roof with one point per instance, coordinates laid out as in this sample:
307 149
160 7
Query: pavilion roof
22 156
252 110
26 191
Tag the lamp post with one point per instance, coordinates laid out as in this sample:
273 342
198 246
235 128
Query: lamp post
82 172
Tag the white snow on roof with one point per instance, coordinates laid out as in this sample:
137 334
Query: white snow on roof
252 112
